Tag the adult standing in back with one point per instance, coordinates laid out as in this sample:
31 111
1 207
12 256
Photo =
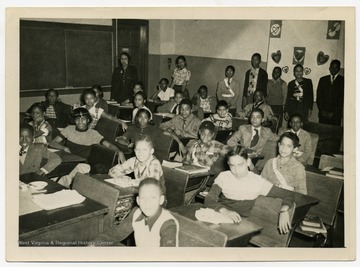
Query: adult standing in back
123 79
330 96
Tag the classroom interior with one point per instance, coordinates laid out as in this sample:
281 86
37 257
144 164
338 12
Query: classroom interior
85 52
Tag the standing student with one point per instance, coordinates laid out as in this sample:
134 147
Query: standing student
203 100
153 226
252 136
139 103
99 101
222 118
185 124
143 165
80 137
123 79
330 96
277 93
229 90
300 96
42 129
256 78
32 155
96 112
234 192
284 170
181 76
164 92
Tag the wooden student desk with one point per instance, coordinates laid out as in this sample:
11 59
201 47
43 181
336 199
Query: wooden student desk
238 235
74 225
68 163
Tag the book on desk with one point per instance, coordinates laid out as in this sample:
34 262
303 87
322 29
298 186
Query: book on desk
313 224
192 169
334 172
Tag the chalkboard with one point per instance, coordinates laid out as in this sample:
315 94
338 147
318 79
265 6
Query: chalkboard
59 55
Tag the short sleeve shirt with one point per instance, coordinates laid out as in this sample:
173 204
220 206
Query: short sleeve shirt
165 96
87 138
181 76
247 188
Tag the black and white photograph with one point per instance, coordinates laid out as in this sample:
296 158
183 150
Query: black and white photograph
225 132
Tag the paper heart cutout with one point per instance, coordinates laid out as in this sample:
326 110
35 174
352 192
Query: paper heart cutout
299 55
285 69
322 58
307 71
276 56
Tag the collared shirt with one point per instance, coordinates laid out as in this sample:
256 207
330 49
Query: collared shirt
292 171
167 94
150 168
24 153
42 132
333 78
95 113
181 76
206 154
297 133
188 127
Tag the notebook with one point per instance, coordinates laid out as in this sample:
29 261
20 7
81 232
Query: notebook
193 169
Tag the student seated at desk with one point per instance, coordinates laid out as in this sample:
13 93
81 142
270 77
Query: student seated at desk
99 101
139 103
143 165
96 112
184 125
164 92
138 87
42 129
153 226
222 118
284 170
252 136
234 192
31 155
206 151
80 137
259 102
304 151
203 100
140 128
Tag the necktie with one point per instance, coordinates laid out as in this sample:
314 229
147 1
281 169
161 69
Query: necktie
175 109
184 125
22 151
255 138
332 79
229 82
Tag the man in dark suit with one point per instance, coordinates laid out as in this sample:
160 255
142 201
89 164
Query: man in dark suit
330 95
32 155
256 79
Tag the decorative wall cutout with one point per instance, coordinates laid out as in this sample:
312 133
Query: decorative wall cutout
307 71
334 28
322 58
299 55
276 56
285 69
275 28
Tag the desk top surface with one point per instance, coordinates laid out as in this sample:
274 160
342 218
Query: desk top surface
232 231
43 220
69 158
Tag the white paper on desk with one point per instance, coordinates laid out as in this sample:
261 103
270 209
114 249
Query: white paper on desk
53 150
339 156
211 216
326 169
63 198
121 182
